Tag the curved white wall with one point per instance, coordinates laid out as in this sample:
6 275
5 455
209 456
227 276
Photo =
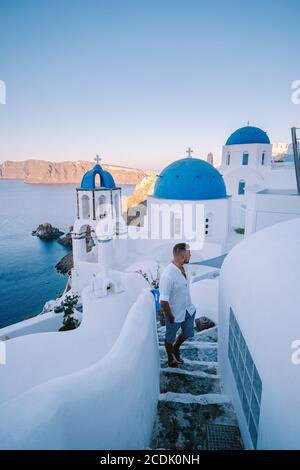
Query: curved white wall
204 295
39 324
110 404
36 358
260 282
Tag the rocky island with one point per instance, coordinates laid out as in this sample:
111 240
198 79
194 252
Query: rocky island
45 231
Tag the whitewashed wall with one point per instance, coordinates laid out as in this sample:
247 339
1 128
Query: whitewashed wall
269 208
81 389
217 210
260 282
205 297
41 323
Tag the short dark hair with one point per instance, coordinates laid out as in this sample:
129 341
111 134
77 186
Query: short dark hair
178 249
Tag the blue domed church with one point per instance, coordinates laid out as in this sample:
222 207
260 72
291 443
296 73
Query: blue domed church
246 161
247 167
190 195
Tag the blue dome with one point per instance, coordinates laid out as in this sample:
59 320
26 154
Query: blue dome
88 179
190 179
248 135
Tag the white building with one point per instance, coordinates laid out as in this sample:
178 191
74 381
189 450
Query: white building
270 206
182 188
248 166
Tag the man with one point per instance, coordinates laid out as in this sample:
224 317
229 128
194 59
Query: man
176 303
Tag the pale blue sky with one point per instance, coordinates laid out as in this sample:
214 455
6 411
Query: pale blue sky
140 81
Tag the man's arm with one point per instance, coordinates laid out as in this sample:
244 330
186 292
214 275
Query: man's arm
165 289
166 308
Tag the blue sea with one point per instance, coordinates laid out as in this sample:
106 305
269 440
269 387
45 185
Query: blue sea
28 277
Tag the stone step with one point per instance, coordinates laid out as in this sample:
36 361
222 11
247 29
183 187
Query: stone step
210 335
198 351
193 382
194 366
182 420
192 413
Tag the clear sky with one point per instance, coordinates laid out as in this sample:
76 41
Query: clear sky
140 81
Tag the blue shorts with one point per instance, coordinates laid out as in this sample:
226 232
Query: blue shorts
187 327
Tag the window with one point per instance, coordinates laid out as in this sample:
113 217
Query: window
228 159
263 158
208 224
247 378
97 180
241 189
117 206
101 206
85 207
245 158
176 226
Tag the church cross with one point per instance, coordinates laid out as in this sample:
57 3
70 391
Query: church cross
189 152
97 159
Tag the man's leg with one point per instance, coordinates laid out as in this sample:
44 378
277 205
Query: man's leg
187 327
179 341
171 330
172 362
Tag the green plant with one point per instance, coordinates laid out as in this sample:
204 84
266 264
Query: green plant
59 309
69 322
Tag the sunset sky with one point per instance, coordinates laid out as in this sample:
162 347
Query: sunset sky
140 81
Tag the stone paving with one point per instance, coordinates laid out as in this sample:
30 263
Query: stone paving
191 397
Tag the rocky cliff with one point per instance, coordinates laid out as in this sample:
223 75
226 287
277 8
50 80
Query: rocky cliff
135 205
41 171
143 189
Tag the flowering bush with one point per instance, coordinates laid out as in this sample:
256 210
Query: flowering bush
153 282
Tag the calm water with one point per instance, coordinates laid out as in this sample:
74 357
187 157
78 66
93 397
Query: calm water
27 274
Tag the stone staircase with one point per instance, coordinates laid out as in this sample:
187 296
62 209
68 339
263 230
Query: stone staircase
192 412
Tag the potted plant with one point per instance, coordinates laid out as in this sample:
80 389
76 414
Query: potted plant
154 283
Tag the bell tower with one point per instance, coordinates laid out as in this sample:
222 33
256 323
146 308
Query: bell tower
99 221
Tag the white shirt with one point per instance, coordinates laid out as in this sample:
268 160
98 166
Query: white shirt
175 289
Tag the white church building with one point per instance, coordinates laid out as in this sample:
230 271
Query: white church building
248 165
182 188
249 168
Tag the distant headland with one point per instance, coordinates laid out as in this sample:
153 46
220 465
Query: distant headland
46 172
